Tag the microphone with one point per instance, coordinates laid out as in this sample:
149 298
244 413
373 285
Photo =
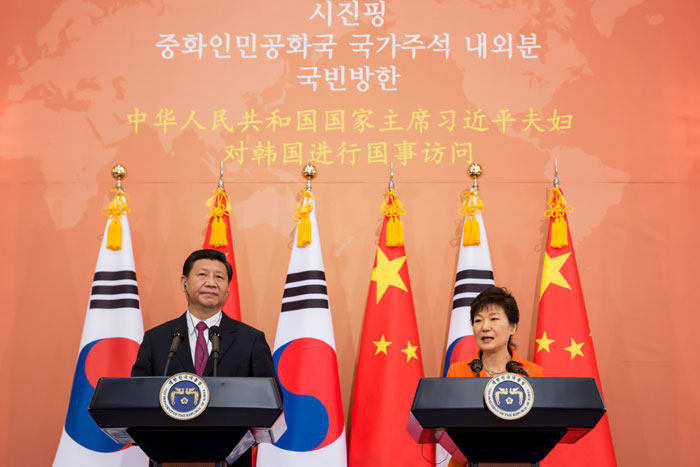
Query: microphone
178 336
215 338
514 367
476 365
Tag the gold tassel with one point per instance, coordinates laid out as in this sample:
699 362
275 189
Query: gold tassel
558 210
559 238
220 207
218 233
114 235
303 209
392 208
471 234
304 232
116 209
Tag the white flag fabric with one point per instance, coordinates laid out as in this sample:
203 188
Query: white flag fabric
112 332
474 274
307 367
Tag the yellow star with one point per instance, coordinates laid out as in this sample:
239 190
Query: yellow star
410 351
574 348
381 345
551 272
387 273
543 342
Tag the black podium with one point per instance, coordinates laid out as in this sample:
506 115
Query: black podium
452 412
241 411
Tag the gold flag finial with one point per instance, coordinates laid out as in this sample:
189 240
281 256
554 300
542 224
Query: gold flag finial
309 172
556 174
475 171
221 176
119 172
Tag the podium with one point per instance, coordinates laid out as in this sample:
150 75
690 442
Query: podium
241 411
452 412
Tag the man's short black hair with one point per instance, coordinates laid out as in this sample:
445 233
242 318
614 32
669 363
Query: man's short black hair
216 255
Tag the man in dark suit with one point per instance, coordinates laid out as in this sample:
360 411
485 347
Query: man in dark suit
243 349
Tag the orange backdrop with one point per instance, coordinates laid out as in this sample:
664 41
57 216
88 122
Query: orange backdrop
609 88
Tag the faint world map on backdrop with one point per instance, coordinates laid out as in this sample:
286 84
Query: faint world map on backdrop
74 95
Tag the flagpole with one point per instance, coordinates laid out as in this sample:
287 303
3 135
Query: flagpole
391 176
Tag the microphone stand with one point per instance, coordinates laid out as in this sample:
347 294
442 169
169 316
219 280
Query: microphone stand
514 367
177 338
215 338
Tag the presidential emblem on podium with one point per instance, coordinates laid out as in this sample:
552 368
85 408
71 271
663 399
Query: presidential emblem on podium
184 396
509 396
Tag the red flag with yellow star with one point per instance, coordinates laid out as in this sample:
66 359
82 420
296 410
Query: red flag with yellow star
390 361
218 237
564 346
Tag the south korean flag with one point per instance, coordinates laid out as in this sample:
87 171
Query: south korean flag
307 367
112 332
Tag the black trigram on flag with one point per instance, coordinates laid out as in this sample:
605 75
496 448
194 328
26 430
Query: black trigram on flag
468 284
114 289
304 290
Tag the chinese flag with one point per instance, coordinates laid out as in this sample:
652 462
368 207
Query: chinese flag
563 342
218 237
390 362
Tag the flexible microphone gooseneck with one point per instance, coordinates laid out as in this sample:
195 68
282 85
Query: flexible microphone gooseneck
178 336
215 338
476 365
514 367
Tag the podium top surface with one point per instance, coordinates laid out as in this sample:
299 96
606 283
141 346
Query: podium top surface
234 402
458 403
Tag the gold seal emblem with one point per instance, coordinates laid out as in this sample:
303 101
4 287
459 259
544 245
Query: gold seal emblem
509 396
184 396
